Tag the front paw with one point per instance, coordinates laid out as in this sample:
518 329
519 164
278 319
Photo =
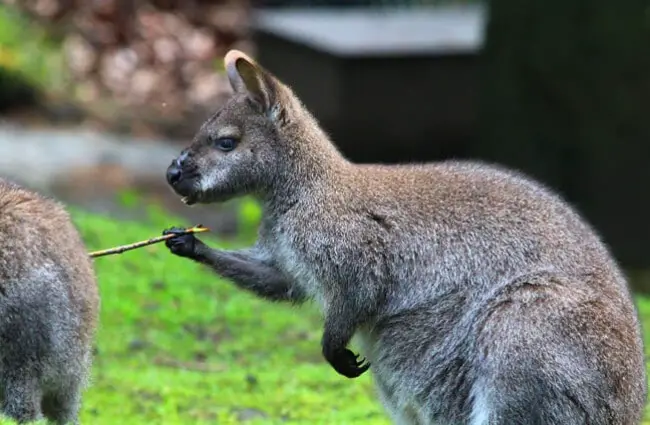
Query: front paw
347 363
183 245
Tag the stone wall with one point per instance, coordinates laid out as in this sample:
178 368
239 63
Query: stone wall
149 62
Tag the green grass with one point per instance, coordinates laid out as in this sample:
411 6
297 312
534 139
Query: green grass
177 345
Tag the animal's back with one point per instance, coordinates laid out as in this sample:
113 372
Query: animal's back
49 304
42 247
485 262
474 223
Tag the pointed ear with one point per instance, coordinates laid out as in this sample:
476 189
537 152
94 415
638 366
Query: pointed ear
247 77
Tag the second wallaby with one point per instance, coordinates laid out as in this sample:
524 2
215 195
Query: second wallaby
49 306
478 295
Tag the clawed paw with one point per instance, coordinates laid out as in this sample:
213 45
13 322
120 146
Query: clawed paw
183 245
348 364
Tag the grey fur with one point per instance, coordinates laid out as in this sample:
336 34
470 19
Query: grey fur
48 309
478 295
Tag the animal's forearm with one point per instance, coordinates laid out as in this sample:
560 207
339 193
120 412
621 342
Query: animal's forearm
343 317
249 273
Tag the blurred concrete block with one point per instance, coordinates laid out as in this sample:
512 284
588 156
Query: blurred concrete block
388 84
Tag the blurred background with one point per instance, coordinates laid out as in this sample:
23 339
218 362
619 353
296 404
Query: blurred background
97 97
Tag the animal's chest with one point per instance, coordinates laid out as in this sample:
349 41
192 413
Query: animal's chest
297 261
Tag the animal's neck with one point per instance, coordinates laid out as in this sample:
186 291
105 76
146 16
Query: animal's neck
312 166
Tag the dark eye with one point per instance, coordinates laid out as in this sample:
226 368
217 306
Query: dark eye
225 144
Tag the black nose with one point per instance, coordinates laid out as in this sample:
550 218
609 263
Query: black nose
174 172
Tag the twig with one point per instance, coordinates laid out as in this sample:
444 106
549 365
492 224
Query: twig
120 249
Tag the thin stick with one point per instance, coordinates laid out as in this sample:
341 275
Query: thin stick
122 248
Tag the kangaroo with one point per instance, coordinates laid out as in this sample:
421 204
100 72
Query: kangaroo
477 295
49 305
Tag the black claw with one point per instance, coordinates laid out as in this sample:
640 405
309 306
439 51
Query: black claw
182 245
348 364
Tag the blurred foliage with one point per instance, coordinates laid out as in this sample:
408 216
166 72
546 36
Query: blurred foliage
249 217
128 198
28 50
139 66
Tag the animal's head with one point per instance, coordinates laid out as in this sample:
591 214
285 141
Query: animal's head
243 147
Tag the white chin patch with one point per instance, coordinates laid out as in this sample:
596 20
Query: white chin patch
209 181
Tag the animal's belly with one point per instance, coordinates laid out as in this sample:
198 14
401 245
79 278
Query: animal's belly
426 391
397 401
399 405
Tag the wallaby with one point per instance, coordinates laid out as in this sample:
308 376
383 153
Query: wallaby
49 305
478 295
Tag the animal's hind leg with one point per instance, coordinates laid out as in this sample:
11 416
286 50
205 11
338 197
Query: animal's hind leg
547 354
399 416
61 404
22 396
507 406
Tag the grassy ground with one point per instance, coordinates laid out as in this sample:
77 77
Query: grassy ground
177 345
